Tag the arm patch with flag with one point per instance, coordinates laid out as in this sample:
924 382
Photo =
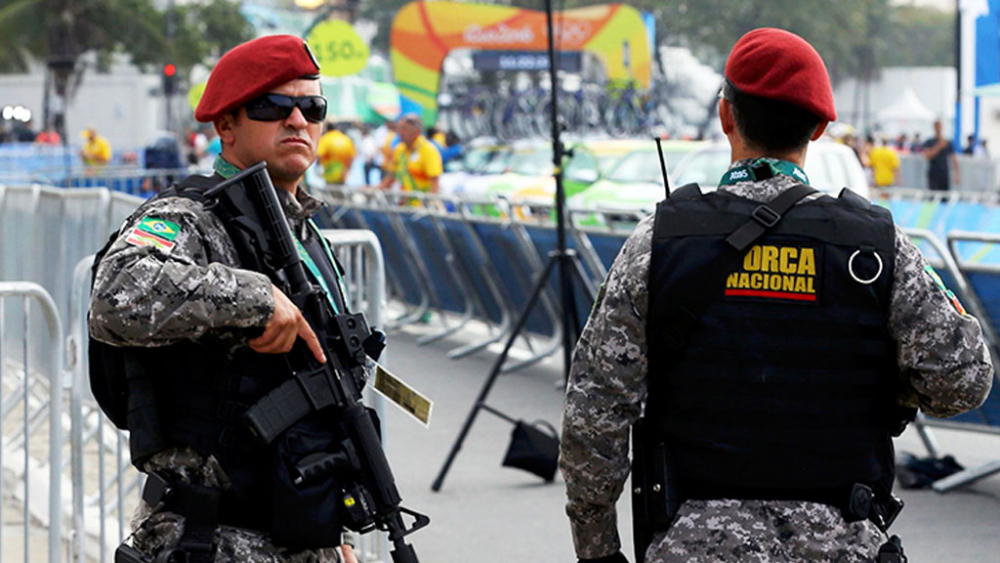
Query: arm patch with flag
949 293
156 232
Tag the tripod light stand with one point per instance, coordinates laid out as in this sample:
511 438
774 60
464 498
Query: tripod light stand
566 259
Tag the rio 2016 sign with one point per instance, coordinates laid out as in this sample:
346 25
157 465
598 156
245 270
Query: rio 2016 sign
339 49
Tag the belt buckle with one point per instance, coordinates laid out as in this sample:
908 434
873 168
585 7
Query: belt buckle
766 216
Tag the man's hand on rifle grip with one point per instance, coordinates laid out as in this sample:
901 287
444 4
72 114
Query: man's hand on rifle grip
285 325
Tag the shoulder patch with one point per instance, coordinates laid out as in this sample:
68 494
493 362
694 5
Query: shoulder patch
161 228
948 293
138 237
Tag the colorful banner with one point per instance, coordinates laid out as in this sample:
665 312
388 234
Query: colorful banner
424 32
338 48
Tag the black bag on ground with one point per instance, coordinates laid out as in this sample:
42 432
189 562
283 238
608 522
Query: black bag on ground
914 472
534 448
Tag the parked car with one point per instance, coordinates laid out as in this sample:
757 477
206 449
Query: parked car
478 161
637 178
830 166
590 161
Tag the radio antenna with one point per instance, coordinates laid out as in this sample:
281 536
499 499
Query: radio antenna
663 167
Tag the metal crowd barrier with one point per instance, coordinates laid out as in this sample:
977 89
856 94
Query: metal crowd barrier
139 182
981 300
45 231
31 394
466 257
977 174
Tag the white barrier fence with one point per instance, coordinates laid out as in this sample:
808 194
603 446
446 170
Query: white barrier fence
44 232
30 461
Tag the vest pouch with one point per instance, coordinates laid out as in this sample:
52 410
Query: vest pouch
306 514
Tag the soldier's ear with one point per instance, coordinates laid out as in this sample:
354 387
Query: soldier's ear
726 116
225 126
820 129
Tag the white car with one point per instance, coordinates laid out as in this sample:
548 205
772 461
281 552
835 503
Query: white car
830 166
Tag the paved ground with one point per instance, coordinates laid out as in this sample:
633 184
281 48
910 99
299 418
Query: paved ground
489 514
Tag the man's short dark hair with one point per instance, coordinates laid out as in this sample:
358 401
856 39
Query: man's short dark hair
770 124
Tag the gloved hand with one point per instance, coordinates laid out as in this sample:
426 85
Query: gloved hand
618 557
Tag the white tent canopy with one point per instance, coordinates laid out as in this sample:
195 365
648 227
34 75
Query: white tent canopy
906 115
907 107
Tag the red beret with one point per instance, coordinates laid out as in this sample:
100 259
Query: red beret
779 65
252 69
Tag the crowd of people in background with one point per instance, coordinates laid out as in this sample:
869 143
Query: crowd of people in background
880 156
24 132
401 152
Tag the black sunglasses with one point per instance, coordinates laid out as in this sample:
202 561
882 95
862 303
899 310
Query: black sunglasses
274 107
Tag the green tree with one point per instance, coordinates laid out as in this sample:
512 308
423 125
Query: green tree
59 32
382 12
847 33
920 37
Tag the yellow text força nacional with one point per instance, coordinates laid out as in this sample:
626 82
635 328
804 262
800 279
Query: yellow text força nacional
785 269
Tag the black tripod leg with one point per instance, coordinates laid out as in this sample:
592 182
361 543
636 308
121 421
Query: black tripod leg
522 319
568 312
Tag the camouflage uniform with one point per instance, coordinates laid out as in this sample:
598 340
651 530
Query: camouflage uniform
146 296
943 360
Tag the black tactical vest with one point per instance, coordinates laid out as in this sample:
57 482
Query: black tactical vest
193 394
785 388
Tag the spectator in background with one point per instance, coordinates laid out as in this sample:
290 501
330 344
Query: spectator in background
198 146
96 150
917 145
370 153
48 136
453 148
970 145
437 137
981 151
26 133
939 152
386 137
336 153
415 163
901 143
885 163
214 148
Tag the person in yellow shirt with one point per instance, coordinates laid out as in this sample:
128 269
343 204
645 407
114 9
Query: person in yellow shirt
416 163
97 150
388 142
437 136
335 152
884 162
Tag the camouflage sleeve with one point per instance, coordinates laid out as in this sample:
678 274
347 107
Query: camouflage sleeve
607 385
157 291
943 358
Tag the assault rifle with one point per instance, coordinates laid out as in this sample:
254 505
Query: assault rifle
371 499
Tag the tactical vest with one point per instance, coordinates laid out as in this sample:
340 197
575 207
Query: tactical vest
785 387
193 394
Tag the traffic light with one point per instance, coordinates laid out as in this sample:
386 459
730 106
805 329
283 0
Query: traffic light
169 79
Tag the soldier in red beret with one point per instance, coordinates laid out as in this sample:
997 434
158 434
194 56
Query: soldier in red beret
205 334
764 343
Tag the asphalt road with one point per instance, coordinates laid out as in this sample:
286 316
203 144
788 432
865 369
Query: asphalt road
489 514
